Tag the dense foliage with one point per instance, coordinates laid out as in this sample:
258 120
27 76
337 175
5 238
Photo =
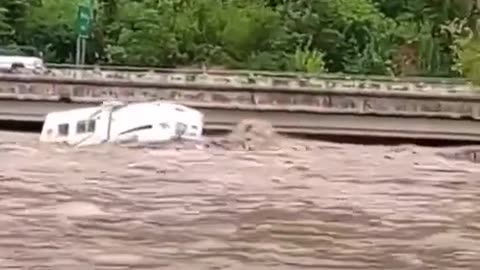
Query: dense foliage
401 37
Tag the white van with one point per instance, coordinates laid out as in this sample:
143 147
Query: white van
10 63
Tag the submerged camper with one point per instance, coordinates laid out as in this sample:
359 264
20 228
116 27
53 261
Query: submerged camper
116 122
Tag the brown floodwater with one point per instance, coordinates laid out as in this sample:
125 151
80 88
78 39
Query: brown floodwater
304 205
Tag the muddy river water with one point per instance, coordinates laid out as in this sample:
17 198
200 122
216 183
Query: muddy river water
305 205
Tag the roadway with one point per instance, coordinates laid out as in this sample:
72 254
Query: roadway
291 122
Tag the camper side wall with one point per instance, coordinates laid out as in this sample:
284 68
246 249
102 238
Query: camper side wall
67 128
54 130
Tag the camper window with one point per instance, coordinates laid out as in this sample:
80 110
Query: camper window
81 127
91 126
86 126
63 129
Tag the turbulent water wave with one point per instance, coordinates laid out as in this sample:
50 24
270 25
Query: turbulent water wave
296 205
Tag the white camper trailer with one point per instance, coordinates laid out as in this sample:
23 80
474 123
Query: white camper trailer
148 122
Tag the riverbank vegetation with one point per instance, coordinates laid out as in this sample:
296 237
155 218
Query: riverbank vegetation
389 37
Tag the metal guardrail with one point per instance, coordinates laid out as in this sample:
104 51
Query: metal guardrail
219 72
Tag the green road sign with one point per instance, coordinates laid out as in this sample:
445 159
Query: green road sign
84 21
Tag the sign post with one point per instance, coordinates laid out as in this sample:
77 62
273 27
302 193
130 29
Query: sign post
83 26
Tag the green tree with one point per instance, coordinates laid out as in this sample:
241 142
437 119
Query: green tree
409 37
49 26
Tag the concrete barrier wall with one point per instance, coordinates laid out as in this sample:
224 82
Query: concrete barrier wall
339 99
269 79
